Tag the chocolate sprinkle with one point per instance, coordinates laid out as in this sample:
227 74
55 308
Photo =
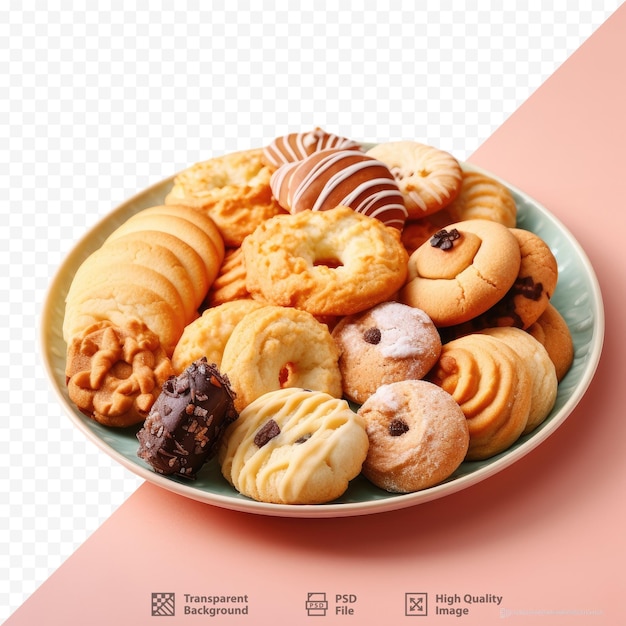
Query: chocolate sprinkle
443 239
372 335
398 427
266 433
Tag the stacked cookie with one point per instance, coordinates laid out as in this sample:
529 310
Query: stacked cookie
144 286
389 283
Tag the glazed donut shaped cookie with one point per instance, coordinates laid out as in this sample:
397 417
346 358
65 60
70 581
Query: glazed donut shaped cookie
418 436
275 347
294 446
114 375
334 262
385 344
329 178
297 146
429 178
462 271
493 386
232 189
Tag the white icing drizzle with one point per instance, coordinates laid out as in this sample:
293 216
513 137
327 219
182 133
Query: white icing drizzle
297 146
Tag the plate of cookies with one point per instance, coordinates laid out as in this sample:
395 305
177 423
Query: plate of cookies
322 327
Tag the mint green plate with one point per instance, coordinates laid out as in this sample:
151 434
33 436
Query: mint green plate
577 297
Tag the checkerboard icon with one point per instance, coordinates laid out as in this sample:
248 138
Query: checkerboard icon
163 604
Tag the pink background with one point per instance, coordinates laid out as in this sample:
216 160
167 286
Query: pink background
546 534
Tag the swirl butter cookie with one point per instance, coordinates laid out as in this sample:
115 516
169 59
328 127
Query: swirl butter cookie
541 367
294 446
492 385
334 262
417 433
274 347
462 271
429 178
552 331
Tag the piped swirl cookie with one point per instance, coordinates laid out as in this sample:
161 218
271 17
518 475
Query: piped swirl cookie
493 386
115 374
294 446
462 271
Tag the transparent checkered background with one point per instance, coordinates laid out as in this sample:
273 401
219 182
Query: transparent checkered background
98 104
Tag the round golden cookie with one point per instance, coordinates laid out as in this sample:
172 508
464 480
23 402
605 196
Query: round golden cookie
492 385
187 256
197 218
275 347
542 370
207 335
552 331
181 228
385 344
429 178
334 262
233 190
230 283
120 303
462 271
115 374
294 446
136 262
418 436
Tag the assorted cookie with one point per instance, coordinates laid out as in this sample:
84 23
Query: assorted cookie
315 311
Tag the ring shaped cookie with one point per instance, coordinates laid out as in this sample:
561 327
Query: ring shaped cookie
115 374
232 189
463 272
276 347
334 262
429 178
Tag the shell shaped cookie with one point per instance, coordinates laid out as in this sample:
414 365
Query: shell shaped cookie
493 386
429 178
462 271
418 436
330 178
297 146
294 446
